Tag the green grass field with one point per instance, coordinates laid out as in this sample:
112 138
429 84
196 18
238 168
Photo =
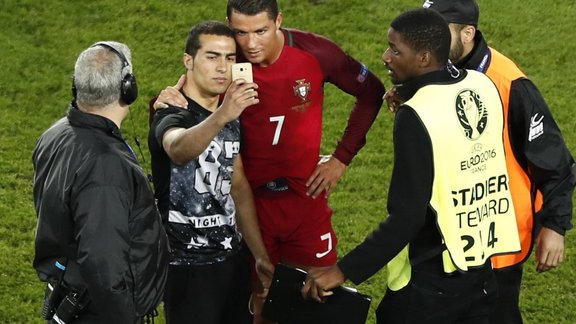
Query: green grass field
41 40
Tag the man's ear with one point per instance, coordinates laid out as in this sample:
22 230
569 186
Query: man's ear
424 59
467 34
279 20
188 61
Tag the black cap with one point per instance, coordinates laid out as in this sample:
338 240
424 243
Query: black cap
464 12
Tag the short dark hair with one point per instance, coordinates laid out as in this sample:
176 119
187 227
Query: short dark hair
425 29
253 7
208 27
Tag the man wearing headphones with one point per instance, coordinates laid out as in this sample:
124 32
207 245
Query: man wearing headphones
99 241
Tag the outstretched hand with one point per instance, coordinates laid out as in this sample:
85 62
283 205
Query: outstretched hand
172 96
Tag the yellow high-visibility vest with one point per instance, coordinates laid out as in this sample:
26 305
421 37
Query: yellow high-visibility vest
470 190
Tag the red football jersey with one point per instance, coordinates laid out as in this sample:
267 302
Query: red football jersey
282 134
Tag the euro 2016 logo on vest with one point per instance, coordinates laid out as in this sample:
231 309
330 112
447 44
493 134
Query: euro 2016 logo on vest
472 114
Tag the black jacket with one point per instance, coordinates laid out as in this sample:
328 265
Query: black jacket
411 219
97 213
548 161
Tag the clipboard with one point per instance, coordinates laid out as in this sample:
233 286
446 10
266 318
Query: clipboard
285 305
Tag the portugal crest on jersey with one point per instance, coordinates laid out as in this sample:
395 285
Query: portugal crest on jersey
301 89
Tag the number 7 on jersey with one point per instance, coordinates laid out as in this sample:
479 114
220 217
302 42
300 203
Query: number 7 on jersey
280 121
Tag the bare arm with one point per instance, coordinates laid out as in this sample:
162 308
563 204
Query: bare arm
248 222
185 144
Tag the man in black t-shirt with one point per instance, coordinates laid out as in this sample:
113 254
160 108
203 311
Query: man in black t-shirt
204 198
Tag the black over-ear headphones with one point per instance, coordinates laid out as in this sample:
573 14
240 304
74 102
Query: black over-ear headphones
128 86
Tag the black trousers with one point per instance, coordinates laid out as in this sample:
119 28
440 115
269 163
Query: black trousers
209 294
508 309
440 299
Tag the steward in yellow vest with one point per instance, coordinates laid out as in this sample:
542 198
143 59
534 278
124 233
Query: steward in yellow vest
540 166
449 200
470 190
470 196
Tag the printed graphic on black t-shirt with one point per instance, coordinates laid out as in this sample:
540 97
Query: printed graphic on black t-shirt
201 222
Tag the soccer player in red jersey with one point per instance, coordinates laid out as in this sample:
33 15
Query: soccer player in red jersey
282 134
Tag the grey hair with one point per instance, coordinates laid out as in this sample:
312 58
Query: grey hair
98 74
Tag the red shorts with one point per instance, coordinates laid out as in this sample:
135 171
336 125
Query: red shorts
296 229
